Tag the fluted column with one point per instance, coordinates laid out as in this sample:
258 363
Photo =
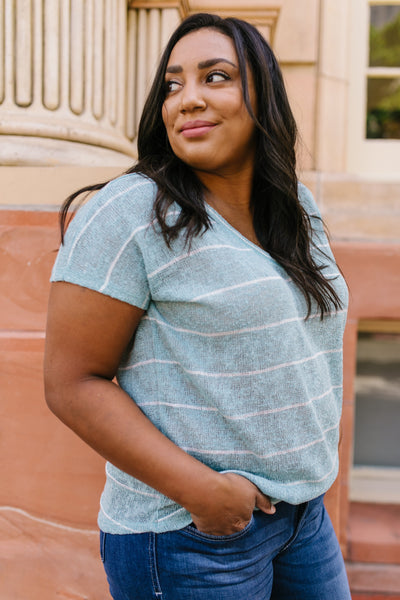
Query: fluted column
149 28
63 82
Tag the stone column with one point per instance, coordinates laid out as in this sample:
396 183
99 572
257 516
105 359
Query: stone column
63 82
74 74
149 26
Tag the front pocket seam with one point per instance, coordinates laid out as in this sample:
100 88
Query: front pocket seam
209 537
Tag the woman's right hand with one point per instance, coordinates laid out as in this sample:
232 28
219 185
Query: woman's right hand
229 508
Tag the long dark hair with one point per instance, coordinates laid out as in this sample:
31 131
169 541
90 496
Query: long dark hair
282 226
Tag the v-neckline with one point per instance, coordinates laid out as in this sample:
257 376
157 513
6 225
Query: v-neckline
237 233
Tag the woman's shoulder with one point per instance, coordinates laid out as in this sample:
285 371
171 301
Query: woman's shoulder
131 181
307 201
130 196
114 213
102 248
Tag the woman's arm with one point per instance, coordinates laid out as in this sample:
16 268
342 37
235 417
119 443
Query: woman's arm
87 333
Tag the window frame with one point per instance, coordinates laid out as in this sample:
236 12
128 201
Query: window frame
368 157
372 483
375 484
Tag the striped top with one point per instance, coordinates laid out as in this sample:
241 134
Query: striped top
224 362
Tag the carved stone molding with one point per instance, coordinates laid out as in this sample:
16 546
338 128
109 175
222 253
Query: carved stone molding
63 77
262 13
182 6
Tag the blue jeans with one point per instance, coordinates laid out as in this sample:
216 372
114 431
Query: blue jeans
291 555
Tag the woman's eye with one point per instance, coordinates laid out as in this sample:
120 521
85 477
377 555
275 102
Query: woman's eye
171 86
217 76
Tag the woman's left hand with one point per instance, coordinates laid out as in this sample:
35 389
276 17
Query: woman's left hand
228 508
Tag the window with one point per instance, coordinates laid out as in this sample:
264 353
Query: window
383 75
376 470
374 88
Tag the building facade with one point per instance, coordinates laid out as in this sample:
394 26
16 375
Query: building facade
73 78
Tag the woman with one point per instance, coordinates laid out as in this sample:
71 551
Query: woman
202 279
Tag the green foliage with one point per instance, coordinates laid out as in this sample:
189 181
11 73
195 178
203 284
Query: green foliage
384 93
383 111
385 44
383 124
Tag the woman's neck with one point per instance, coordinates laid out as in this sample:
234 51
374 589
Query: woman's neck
231 197
228 193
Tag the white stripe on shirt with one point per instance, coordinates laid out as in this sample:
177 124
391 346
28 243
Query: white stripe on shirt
240 285
120 252
127 487
268 411
193 253
240 374
263 456
242 330
99 210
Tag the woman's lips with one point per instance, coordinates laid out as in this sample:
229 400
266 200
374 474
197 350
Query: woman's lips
196 128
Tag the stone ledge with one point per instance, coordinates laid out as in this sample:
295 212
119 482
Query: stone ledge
374 581
42 560
374 534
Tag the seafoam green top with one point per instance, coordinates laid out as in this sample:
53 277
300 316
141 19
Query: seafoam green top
224 362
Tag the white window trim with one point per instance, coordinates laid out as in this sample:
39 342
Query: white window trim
375 484
370 158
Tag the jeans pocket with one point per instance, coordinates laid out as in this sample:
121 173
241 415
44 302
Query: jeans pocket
192 531
103 546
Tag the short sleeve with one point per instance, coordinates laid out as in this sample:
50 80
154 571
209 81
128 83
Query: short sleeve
102 247
322 249
307 201
310 206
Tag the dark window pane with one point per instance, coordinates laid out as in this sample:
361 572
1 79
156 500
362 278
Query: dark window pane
383 108
384 36
377 416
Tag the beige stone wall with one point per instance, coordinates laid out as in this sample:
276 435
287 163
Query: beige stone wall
70 98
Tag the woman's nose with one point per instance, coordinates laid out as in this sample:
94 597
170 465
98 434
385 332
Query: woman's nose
192 98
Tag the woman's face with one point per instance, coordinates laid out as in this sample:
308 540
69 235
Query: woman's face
204 113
